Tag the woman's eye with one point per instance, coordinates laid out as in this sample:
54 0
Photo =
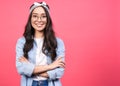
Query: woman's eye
34 16
43 16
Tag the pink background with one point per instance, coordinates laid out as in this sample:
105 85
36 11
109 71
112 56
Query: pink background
89 28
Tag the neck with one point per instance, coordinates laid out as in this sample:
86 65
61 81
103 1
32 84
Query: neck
39 34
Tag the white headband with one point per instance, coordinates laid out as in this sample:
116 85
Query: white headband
36 4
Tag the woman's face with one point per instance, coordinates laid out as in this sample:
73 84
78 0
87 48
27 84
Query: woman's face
39 19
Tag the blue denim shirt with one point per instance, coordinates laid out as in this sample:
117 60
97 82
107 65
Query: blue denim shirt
26 69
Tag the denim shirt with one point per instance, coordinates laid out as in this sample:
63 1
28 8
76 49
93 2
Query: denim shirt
26 69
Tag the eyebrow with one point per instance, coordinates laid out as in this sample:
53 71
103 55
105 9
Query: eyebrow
38 13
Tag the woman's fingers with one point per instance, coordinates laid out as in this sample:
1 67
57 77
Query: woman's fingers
59 58
23 59
62 64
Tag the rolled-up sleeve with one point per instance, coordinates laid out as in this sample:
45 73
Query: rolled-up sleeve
23 68
58 72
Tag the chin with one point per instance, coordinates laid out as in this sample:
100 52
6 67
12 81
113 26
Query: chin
40 30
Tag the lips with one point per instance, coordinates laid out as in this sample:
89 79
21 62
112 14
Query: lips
39 25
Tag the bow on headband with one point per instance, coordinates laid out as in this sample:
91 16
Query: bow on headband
36 4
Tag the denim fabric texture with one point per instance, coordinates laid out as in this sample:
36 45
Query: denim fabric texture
40 83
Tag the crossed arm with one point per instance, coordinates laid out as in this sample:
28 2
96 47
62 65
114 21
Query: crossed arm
41 70
51 71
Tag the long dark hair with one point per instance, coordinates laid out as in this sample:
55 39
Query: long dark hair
50 42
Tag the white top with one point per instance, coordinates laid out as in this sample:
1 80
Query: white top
41 58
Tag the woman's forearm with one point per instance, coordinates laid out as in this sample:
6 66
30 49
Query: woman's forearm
41 68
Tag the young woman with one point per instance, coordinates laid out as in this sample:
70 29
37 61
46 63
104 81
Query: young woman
39 53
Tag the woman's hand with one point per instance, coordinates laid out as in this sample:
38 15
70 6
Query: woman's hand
44 74
57 63
23 59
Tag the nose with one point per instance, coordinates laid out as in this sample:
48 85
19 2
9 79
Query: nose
39 19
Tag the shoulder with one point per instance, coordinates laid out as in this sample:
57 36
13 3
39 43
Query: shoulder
60 42
21 40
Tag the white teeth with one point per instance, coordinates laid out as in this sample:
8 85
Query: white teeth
39 25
